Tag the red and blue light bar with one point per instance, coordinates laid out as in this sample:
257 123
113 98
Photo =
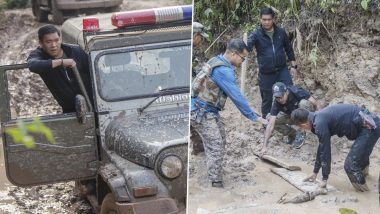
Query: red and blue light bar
152 16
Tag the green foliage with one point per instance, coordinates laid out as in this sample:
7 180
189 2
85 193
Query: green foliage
2 6
295 9
16 3
329 5
218 15
347 211
364 4
22 134
313 56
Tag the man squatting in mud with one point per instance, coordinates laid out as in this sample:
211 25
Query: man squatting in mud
347 120
54 61
212 96
286 100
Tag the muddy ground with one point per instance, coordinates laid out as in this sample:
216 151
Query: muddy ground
18 37
347 73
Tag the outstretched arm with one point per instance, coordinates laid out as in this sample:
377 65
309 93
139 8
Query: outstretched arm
224 78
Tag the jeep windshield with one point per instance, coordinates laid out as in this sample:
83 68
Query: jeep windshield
141 72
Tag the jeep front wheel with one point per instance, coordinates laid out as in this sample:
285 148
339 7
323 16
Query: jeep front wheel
109 205
41 15
57 14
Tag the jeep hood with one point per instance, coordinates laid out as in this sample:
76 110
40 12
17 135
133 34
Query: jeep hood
141 138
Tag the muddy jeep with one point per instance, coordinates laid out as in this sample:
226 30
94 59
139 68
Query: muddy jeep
67 8
129 153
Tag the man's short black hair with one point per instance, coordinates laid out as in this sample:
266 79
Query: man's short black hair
299 116
236 45
47 29
267 11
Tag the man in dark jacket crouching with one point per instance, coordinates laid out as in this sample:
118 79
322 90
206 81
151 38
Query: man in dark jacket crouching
347 120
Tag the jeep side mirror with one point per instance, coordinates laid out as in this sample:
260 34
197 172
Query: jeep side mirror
81 108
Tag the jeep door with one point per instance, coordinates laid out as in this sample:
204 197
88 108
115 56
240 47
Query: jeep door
73 156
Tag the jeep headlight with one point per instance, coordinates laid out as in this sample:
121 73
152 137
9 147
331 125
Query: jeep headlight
170 166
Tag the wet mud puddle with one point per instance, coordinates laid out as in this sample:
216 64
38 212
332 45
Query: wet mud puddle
259 191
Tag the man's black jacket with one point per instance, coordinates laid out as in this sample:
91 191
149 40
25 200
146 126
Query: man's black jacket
271 54
338 119
61 81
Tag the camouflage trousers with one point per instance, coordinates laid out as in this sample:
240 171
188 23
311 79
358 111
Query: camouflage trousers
213 135
283 121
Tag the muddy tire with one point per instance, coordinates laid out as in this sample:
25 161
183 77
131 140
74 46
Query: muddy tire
41 15
109 205
57 14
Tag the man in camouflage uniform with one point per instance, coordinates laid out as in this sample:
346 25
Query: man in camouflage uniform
286 100
212 95
199 34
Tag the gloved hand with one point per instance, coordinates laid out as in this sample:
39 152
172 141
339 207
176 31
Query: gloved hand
310 178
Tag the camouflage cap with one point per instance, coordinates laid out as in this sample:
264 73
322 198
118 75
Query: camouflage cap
199 28
279 89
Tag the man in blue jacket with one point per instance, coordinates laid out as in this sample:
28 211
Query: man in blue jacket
342 120
54 61
271 43
211 99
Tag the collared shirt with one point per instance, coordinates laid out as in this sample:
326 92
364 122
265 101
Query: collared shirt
296 94
224 78
338 119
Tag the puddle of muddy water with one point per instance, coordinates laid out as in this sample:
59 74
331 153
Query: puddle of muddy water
262 195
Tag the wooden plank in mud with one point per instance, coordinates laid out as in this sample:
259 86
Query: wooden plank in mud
278 162
295 178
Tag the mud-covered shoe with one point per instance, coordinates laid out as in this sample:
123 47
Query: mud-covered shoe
217 184
299 140
365 171
290 140
360 187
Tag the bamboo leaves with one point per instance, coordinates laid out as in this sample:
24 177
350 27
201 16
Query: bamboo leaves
22 133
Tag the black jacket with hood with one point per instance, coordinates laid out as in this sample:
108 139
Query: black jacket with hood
271 53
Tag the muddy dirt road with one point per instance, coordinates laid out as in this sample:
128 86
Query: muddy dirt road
18 32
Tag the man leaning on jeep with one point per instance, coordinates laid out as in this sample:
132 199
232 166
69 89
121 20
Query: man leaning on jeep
54 61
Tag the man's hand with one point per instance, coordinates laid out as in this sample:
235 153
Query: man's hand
294 73
310 178
69 63
262 120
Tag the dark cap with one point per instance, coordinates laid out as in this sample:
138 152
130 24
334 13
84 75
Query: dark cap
199 28
279 89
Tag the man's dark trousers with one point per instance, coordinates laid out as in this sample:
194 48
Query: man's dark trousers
266 81
358 157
